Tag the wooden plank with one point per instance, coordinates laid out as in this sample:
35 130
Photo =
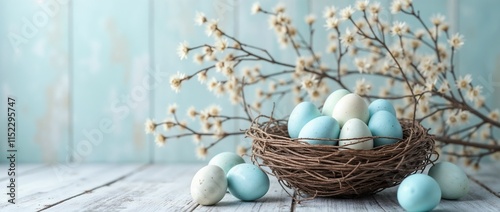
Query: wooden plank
276 199
487 176
51 185
155 188
21 169
329 204
478 199
166 188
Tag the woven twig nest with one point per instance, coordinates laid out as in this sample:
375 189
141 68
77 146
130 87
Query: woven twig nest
332 171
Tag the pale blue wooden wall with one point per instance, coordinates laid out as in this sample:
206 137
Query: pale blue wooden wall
78 69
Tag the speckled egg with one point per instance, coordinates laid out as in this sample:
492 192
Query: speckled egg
332 100
226 160
355 128
350 106
419 192
321 127
452 180
247 182
209 185
381 104
383 123
301 114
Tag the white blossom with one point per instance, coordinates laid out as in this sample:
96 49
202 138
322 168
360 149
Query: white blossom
310 19
362 64
346 13
183 50
348 38
191 112
221 44
332 23
452 119
375 8
212 26
437 19
494 115
176 81
463 116
200 18
256 8
396 6
310 83
474 92
456 41
464 81
172 108
361 5
329 12
399 28
160 140
149 126
362 87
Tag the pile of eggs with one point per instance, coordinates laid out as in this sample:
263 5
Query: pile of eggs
421 192
228 171
346 115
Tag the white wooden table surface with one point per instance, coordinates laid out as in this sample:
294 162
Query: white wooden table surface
145 187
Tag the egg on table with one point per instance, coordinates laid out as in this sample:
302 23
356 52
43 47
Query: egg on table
300 115
350 106
332 100
452 180
419 192
321 127
247 182
383 123
355 128
209 185
226 160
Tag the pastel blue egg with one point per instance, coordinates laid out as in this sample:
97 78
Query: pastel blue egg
419 192
301 114
321 127
226 161
384 123
381 104
247 182
332 100
452 180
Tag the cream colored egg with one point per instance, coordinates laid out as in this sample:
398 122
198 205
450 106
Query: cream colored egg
351 106
332 100
355 128
209 185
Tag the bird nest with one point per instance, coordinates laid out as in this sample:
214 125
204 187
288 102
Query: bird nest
333 171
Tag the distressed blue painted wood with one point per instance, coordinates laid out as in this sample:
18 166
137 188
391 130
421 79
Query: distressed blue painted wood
34 69
174 23
68 95
111 60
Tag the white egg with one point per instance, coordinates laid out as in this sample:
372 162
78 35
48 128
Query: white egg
209 185
332 100
355 128
351 106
